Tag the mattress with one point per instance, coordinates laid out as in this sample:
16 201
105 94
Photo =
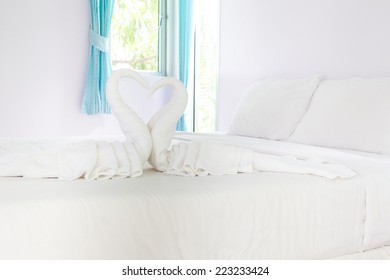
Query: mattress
265 215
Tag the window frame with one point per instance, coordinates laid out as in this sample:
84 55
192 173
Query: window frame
162 37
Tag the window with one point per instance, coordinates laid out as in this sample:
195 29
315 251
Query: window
206 65
139 38
138 34
201 112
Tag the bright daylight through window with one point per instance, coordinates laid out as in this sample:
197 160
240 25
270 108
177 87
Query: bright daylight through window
206 64
138 42
135 35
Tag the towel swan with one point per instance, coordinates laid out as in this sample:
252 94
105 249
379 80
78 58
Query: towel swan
153 140
86 159
197 157
149 142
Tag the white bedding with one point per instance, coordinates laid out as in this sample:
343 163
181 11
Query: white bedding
372 168
266 215
167 217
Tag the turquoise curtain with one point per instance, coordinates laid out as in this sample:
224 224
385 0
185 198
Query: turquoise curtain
186 15
99 69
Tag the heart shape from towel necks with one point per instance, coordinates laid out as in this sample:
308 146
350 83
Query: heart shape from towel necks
137 93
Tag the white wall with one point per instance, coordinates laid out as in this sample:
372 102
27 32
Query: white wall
294 38
44 55
43 65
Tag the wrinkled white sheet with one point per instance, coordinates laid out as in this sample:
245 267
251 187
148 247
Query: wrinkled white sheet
265 215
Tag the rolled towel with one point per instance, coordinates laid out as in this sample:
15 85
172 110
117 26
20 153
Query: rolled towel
201 158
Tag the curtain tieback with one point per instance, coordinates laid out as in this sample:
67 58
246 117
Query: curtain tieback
100 42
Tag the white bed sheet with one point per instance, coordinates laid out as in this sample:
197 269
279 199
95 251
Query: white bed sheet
374 169
247 216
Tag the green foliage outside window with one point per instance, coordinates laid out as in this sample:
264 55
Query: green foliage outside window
134 34
135 40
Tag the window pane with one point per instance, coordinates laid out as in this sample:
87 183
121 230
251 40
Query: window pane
134 35
206 61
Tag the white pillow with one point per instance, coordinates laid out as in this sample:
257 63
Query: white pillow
349 114
271 109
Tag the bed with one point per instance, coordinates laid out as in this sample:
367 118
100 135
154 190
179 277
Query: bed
262 214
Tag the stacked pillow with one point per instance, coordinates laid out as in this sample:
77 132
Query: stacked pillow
349 114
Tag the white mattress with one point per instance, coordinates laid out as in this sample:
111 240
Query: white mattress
247 216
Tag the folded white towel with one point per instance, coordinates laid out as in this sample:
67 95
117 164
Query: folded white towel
123 164
201 158
77 159
88 159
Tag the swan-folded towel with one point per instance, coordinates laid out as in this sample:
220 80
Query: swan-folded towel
201 158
